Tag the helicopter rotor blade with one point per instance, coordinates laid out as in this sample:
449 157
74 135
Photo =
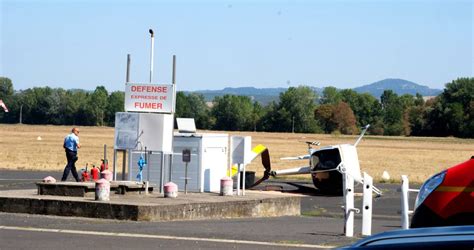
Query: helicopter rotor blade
301 157
265 155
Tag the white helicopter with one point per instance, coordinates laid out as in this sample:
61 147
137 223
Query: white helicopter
326 166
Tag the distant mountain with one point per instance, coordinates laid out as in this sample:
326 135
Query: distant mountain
267 95
398 86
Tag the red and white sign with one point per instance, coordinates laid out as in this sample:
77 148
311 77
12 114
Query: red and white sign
154 98
3 106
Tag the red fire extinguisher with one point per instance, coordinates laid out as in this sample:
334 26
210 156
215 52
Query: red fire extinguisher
104 165
95 173
85 175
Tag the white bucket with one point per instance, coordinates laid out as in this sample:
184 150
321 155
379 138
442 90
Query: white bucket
106 174
171 190
102 190
226 186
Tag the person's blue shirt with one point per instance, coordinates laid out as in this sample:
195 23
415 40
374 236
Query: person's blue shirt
71 141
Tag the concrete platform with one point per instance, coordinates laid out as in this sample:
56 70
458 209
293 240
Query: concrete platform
82 189
154 207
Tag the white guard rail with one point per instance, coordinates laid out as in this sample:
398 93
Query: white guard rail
405 208
349 209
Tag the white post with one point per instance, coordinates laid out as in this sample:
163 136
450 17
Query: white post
243 180
238 179
173 81
130 165
114 165
367 205
147 167
162 170
348 185
105 153
151 54
404 202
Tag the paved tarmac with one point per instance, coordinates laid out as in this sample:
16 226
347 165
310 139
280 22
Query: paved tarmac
320 226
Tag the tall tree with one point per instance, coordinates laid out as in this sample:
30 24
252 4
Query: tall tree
182 106
199 111
56 101
76 108
367 109
115 103
457 100
276 119
337 117
407 102
6 87
393 113
39 112
436 124
451 112
232 113
330 96
468 129
97 105
417 115
419 99
296 108
6 94
344 119
258 113
323 114
194 106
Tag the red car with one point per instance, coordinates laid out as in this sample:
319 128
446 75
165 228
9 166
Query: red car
447 198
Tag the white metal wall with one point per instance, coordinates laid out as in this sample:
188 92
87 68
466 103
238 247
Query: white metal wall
209 157
209 153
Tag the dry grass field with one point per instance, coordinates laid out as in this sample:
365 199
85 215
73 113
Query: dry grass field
417 157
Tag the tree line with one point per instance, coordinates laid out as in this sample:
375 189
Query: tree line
299 109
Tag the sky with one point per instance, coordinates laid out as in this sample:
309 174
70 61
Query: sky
264 44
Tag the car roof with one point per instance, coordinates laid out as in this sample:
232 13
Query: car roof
422 233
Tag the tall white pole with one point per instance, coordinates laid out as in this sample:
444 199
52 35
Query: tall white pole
405 209
151 54
348 186
173 81
367 205
127 76
243 180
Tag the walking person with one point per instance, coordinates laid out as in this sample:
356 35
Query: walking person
71 145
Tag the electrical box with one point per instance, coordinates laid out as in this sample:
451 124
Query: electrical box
350 160
139 130
241 149
205 154
207 161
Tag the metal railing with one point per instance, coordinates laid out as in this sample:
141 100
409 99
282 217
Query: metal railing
405 207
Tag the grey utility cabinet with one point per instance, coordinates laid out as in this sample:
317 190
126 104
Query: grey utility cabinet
209 161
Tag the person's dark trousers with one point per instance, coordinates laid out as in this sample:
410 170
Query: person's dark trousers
71 165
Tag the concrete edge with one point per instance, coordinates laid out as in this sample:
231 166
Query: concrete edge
265 207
